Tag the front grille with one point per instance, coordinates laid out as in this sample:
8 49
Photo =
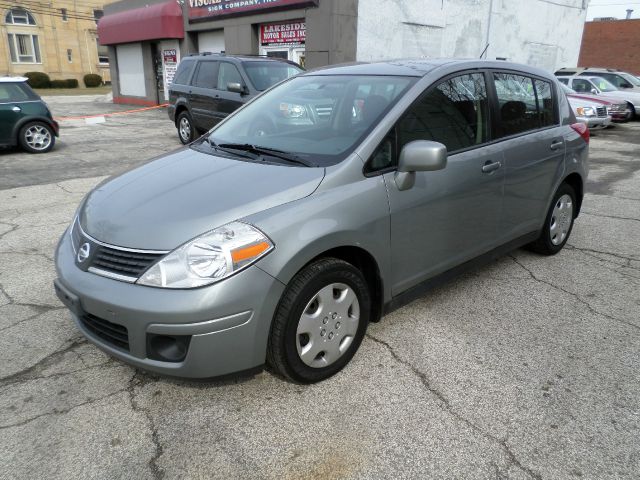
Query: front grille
324 111
122 262
114 334
601 111
619 108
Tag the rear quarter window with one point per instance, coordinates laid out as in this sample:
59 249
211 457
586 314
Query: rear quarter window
184 72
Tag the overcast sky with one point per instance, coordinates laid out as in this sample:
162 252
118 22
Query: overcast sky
613 8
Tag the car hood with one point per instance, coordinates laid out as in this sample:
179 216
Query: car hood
626 95
169 201
585 100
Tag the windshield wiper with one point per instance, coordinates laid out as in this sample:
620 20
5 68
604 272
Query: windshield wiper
224 149
247 147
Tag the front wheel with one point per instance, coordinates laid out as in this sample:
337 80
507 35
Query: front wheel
558 223
320 321
36 137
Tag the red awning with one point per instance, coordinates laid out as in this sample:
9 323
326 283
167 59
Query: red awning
163 20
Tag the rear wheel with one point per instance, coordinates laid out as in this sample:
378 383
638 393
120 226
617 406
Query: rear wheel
320 321
186 130
559 222
36 137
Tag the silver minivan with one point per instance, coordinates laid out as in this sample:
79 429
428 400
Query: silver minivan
326 202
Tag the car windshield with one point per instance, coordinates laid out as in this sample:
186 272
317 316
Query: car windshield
318 119
631 79
603 84
266 74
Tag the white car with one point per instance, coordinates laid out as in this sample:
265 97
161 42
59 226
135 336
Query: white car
602 87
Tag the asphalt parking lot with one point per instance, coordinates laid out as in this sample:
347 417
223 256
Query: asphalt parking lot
526 368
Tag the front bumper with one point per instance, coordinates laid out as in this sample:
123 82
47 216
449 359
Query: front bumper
228 322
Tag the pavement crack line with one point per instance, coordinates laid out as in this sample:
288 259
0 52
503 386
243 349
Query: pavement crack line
610 216
51 359
39 311
139 381
62 411
64 189
14 227
513 460
574 295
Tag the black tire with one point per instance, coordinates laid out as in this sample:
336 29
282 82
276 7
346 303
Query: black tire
186 130
545 244
282 352
36 137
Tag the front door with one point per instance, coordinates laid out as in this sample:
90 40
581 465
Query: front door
228 102
12 96
452 215
203 95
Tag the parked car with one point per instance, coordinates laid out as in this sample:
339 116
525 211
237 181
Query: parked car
594 111
601 87
25 119
251 247
208 87
619 79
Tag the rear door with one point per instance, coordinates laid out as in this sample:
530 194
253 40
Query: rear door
533 146
203 96
228 101
451 215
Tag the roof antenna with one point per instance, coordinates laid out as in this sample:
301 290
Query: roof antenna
485 50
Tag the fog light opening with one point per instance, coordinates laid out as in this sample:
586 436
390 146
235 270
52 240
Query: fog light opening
168 348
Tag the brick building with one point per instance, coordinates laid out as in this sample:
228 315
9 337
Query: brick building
611 44
55 37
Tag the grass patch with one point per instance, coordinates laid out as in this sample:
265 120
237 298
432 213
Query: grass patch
47 92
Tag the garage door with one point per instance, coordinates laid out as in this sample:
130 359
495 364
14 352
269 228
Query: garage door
131 70
211 41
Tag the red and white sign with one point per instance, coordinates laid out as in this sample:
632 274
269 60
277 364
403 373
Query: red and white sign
284 33
223 8
170 55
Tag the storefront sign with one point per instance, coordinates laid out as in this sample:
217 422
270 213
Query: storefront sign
223 8
283 33
170 56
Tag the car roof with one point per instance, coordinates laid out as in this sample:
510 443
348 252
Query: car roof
240 58
13 79
421 67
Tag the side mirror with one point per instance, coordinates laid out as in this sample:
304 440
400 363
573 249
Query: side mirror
237 88
419 156
626 85
594 91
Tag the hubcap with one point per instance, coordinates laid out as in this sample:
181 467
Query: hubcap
185 129
328 325
38 137
561 219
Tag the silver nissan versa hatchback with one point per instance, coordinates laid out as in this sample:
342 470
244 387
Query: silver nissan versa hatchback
322 204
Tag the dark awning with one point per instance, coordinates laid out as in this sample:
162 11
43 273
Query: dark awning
163 20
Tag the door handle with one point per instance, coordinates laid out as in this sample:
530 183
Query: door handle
491 167
16 109
556 144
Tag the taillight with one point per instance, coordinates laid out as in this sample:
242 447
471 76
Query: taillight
582 130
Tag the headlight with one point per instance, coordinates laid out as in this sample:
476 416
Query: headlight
209 258
291 110
586 111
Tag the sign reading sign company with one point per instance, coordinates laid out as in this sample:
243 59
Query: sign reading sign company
223 8
283 33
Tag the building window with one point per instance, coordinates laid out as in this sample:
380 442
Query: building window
63 13
69 55
103 53
19 16
24 48
97 15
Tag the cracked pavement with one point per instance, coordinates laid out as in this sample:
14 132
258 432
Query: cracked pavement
526 368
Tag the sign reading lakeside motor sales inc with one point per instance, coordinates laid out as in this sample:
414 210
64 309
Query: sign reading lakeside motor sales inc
223 8
283 33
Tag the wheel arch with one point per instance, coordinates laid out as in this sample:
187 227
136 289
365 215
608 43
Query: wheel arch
23 121
180 107
575 181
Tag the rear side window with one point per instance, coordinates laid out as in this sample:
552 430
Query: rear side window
546 109
227 74
518 104
582 86
206 75
184 72
455 113
14 92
